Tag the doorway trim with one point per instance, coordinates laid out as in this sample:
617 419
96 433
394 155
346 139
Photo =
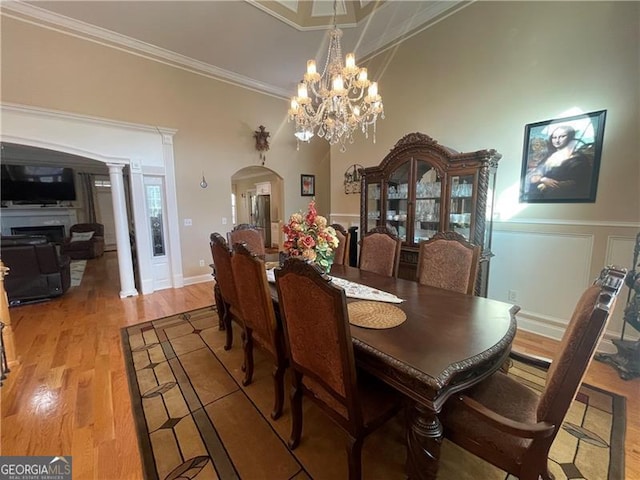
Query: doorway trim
145 149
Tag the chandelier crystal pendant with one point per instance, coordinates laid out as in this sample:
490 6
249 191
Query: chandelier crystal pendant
334 104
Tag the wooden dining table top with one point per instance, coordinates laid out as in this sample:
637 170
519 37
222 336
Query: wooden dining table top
448 342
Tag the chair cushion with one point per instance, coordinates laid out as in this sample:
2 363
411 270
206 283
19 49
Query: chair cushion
505 396
81 236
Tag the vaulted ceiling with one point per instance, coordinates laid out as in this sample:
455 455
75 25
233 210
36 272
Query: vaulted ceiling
263 45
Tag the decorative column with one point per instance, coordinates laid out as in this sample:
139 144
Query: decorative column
125 265
7 331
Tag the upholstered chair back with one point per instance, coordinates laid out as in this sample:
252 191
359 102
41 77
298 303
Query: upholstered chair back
254 297
249 234
447 260
576 350
510 425
380 252
342 252
318 337
223 272
258 315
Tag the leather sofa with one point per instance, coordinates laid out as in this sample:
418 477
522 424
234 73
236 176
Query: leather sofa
36 271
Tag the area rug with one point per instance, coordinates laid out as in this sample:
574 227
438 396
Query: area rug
77 271
196 420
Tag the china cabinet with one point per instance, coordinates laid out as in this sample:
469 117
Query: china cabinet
422 187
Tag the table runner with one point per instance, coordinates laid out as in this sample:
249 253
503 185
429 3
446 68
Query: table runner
354 290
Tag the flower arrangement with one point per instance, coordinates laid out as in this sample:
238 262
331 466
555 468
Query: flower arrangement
309 236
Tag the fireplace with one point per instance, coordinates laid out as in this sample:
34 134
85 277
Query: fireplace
54 233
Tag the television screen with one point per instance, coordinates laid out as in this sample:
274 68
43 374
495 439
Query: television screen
37 183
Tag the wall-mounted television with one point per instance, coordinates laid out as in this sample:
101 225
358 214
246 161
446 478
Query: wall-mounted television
36 184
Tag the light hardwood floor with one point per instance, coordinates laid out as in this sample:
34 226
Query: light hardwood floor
69 396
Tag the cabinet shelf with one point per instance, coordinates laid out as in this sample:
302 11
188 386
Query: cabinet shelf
423 179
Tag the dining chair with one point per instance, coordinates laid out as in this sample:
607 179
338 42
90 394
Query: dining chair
260 324
251 235
342 252
447 260
380 251
509 425
321 359
225 281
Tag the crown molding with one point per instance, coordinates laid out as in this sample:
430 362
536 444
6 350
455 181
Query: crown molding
46 19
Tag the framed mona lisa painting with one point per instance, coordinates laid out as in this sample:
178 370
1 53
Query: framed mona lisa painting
561 159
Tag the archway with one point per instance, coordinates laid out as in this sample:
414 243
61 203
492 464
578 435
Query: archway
258 198
117 145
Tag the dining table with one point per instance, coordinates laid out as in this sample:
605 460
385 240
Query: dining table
448 342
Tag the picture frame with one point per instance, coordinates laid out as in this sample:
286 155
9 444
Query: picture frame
307 185
561 159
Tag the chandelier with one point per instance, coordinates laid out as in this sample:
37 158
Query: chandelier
334 104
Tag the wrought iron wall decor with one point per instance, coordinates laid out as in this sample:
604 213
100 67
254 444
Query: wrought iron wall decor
352 178
262 142
627 359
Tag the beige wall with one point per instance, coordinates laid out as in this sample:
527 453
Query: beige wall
474 80
215 120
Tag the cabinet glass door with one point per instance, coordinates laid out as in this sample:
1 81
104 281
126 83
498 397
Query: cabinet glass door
428 198
398 200
460 213
373 206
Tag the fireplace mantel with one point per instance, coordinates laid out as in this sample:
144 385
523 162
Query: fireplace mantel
30 216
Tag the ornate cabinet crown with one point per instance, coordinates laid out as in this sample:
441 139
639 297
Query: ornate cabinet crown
422 187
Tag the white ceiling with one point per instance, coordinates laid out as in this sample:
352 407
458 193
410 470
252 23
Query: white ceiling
261 45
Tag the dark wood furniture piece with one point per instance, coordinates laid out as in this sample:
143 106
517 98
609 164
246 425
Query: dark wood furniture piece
84 249
320 349
448 261
509 425
225 288
251 235
36 271
421 188
380 251
341 256
258 315
424 359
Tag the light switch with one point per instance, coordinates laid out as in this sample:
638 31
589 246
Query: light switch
187 222
224 220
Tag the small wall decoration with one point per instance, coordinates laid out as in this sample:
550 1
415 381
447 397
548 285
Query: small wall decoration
307 185
561 159
352 178
262 142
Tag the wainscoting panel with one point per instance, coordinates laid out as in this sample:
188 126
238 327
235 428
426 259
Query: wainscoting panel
543 273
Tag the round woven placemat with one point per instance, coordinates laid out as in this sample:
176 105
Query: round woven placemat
375 315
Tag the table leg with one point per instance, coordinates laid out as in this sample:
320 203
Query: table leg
220 306
424 439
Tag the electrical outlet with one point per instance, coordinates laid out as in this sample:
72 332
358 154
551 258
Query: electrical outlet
202 263
513 296
188 222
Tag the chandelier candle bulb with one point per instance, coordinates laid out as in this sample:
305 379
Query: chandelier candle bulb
373 90
303 96
338 86
311 67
